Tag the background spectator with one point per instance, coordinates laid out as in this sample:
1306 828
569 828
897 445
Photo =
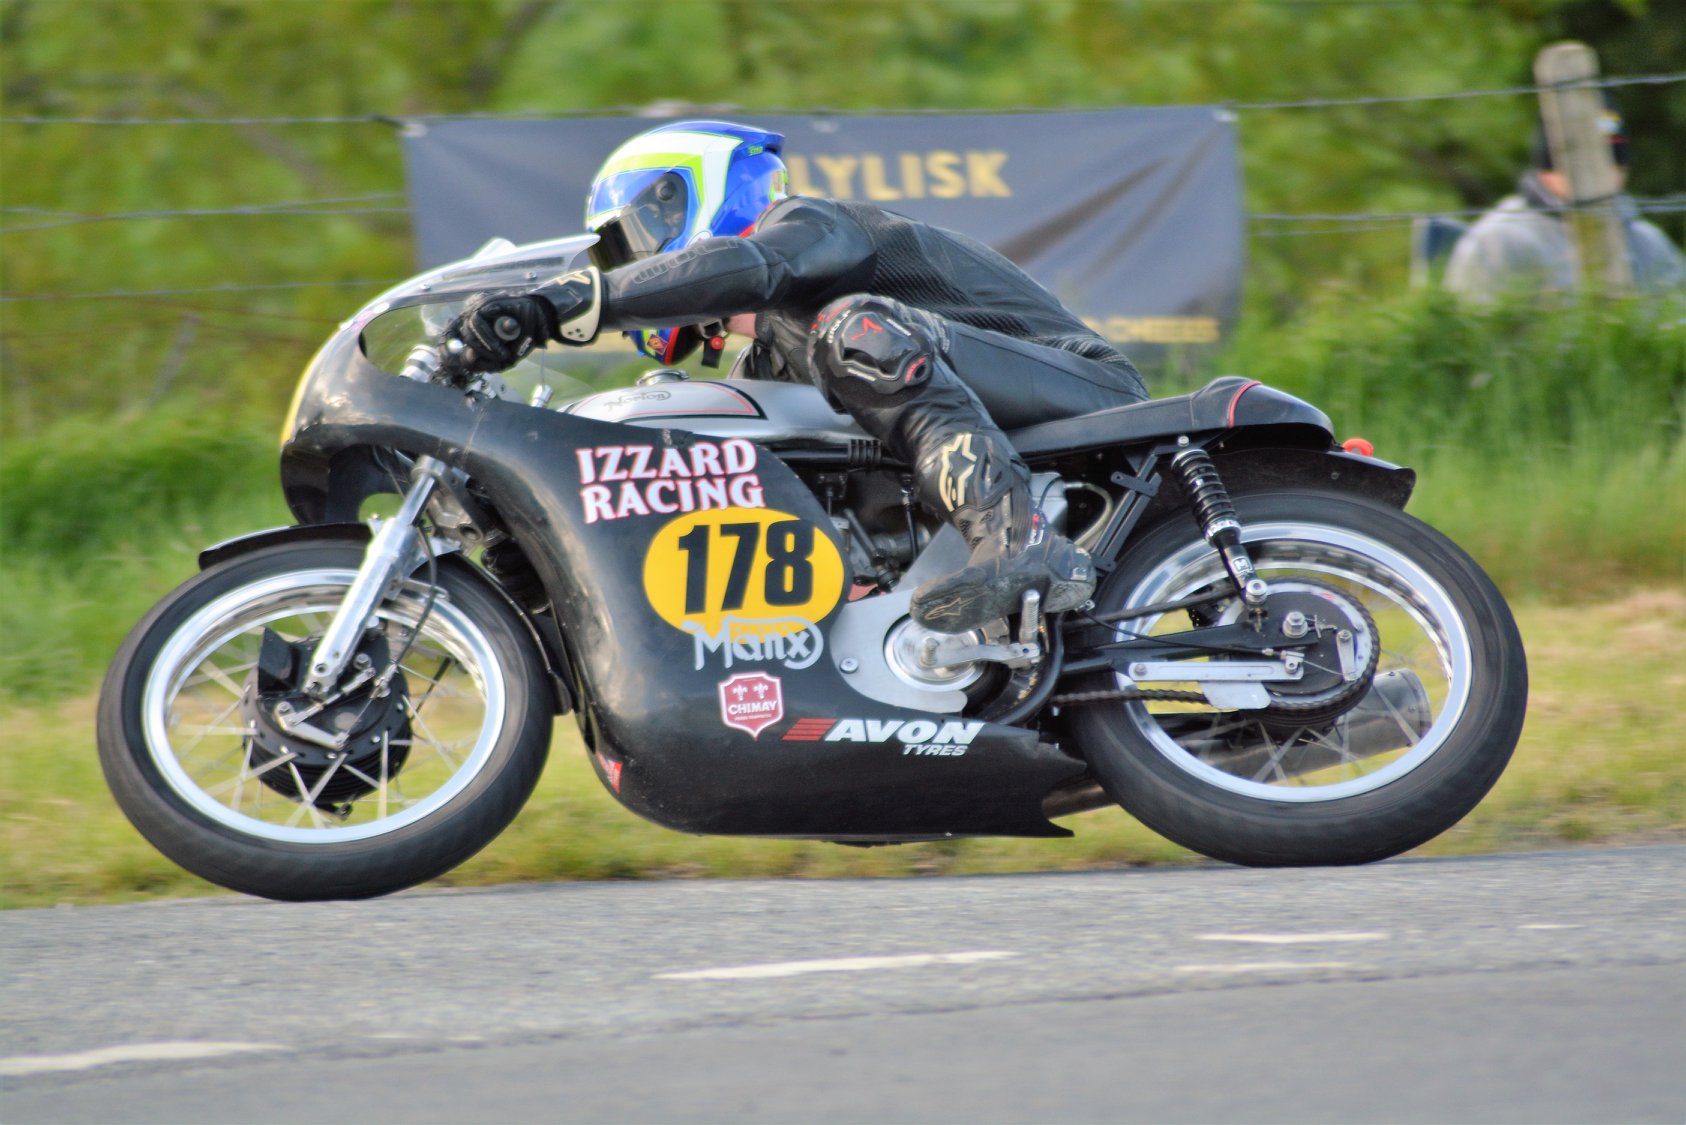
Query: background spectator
1526 243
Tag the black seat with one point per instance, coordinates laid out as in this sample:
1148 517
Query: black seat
1225 403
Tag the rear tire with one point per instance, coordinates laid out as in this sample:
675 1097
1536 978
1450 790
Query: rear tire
1438 617
186 773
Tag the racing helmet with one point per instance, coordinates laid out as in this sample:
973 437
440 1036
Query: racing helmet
674 186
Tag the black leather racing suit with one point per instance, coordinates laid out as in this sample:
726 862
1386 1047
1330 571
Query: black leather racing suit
932 341
1022 352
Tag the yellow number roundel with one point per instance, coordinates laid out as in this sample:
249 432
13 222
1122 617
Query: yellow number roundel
743 564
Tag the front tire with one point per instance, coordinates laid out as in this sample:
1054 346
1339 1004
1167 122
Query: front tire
1246 787
440 779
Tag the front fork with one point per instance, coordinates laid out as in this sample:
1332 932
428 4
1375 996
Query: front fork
394 553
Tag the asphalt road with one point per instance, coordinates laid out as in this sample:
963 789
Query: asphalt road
1545 987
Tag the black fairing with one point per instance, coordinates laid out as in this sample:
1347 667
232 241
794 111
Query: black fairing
650 695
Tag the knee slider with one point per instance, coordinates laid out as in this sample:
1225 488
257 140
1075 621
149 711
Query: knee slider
873 340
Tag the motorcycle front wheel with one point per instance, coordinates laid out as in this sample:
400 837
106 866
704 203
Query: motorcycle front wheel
436 761
1440 716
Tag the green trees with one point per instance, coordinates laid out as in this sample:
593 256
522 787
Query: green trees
362 58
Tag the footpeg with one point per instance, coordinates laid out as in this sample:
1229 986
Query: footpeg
938 652
1030 618
952 649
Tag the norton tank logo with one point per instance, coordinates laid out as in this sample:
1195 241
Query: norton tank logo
919 737
746 583
629 397
752 702
617 481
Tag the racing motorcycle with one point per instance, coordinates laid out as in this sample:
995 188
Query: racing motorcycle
1279 667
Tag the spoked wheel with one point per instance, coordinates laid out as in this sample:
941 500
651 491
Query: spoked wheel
1411 703
247 782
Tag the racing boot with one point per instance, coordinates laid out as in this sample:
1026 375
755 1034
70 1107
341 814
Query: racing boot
1013 550
887 364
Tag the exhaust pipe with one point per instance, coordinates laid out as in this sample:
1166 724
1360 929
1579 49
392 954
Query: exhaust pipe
1080 794
1391 715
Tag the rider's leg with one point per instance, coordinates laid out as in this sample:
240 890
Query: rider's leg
887 364
1022 384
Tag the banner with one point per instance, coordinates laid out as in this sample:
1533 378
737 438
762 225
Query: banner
1131 216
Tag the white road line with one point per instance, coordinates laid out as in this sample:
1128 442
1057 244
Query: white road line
131 1052
1293 939
1262 966
838 965
1550 926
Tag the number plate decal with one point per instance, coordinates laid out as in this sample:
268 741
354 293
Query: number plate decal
746 583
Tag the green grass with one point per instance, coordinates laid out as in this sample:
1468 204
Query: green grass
1580 525
100 521
1602 759
1603 752
1547 439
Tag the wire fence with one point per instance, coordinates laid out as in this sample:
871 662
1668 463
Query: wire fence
1265 224
331 206
117 294
1649 205
1277 225
1261 224
665 110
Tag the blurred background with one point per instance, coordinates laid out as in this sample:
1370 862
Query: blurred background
194 194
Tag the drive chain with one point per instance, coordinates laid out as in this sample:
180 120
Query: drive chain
1131 695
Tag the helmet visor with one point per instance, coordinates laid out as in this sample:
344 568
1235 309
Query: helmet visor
644 212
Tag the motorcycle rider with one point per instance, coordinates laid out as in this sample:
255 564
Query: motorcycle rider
928 338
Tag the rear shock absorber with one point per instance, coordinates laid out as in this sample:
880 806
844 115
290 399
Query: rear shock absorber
1215 513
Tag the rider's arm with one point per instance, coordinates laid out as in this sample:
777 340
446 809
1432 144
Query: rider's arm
803 252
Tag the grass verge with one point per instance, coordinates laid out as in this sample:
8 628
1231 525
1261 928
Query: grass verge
1603 759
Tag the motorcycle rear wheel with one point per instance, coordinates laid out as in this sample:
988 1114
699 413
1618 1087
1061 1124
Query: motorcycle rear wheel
442 777
1251 789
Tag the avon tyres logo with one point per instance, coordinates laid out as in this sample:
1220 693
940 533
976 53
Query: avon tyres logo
919 737
746 584
752 702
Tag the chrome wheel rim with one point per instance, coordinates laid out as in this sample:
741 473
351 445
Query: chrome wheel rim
190 710
1419 630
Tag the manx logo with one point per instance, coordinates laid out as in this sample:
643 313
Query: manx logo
919 737
794 642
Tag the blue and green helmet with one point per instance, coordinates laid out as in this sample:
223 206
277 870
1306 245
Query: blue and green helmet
674 186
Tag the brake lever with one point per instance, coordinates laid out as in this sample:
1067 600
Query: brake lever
451 353
453 368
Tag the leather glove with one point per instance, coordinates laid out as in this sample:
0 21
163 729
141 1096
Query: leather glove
497 332
576 300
